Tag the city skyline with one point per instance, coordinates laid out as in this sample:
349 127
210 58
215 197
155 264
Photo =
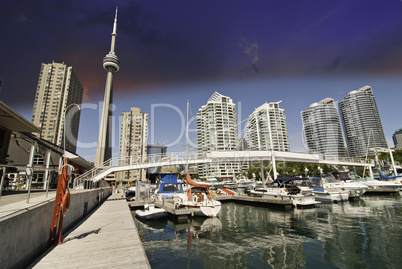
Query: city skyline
172 52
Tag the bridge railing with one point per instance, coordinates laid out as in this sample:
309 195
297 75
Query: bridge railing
86 180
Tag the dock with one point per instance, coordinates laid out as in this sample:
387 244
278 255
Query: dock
179 213
285 203
108 238
184 213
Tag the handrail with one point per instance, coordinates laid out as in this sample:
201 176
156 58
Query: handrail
171 158
134 160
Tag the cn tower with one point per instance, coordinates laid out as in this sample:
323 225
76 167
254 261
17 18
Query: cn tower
111 64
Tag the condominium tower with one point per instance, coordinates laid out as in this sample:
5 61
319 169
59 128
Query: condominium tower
397 138
58 90
133 142
217 130
266 128
322 129
361 122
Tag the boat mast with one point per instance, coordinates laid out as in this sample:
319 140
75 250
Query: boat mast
187 136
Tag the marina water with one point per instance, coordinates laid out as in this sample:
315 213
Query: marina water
361 234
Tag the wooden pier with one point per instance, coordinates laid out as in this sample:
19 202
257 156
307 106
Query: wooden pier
107 239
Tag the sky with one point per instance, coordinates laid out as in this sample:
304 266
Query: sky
174 51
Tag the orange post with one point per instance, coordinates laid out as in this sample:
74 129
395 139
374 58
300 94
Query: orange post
61 204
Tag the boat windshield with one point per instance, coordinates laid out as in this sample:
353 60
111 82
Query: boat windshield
172 188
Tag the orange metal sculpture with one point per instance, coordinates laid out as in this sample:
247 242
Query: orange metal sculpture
61 205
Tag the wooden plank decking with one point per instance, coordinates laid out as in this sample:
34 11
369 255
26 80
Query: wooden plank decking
107 239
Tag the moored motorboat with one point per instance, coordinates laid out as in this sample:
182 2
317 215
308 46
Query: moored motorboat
341 181
324 194
245 183
151 212
300 195
379 186
215 183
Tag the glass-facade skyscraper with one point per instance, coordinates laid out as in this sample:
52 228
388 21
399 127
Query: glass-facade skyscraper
322 129
361 122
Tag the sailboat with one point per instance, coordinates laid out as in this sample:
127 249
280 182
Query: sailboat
198 199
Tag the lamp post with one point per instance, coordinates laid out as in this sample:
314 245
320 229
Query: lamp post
64 131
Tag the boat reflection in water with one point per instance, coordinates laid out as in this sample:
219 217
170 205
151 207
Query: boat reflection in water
359 234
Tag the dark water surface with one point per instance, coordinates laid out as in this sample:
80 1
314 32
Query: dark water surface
362 234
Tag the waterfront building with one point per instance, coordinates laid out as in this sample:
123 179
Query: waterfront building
133 142
397 138
361 122
266 128
155 153
243 144
58 88
217 130
322 129
111 64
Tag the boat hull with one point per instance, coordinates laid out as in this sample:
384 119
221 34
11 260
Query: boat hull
277 193
355 190
204 211
151 214
331 196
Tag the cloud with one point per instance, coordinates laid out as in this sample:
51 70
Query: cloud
251 49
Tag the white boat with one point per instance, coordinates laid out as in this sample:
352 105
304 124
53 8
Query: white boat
283 193
215 183
326 195
198 199
379 186
151 212
355 189
287 189
245 183
229 184
323 195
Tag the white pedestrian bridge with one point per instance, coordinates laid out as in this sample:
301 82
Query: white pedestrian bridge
182 158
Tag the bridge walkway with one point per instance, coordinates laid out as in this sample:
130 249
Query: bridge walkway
108 238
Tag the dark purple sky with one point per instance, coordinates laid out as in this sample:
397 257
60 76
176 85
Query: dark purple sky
162 42
172 51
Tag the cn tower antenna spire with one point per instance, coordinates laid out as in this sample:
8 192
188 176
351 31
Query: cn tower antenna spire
111 64
114 34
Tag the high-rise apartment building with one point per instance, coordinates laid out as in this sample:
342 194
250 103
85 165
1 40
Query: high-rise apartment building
58 88
266 128
322 129
397 138
133 141
361 122
217 130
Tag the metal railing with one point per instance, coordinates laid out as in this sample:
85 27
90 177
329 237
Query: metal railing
115 164
86 180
